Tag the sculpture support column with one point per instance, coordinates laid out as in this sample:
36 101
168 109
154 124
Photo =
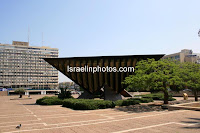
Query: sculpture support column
86 95
110 94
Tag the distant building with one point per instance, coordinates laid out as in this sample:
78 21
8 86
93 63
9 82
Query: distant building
64 84
185 55
69 85
22 65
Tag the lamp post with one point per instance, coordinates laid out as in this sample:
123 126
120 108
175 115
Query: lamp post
199 33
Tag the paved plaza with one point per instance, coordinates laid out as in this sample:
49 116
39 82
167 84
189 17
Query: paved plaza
56 119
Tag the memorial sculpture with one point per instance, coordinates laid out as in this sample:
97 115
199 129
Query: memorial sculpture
109 83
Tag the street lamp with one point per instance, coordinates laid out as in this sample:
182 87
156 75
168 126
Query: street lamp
199 33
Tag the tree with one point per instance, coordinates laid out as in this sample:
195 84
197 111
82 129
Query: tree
154 75
190 73
64 93
20 91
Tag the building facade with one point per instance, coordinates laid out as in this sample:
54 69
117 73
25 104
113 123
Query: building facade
185 55
70 85
22 65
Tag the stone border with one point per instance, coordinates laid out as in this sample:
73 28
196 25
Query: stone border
182 106
20 98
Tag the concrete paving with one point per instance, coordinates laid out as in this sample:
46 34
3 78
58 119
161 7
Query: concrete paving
56 119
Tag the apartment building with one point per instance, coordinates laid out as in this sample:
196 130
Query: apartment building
70 85
186 55
22 65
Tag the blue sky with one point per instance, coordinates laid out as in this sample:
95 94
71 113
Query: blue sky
103 27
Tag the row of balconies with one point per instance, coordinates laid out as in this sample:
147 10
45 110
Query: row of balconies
9 63
14 55
29 81
27 75
25 57
21 60
29 52
14 48
24 65
27 68
41 81
38 71
21 70
28 78
9 84
32 75
33 63
39 60
24 54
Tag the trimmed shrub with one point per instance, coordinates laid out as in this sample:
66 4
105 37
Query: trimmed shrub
49 101
90 104
87 104
144 100
130 102
133 101
64 94
118 102
157 96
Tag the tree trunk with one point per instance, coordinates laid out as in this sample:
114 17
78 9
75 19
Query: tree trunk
196 95
20 96
166 97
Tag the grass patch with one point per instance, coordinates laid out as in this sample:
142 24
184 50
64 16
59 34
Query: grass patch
157 96
133 101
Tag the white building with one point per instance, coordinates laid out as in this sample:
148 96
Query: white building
22 65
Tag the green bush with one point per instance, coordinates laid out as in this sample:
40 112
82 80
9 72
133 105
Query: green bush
64 94
87 104
118 102
144 100
133 101
90 104
49 101
130 102
157 96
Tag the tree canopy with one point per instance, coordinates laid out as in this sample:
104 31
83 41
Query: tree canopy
163 75
190 74
20 91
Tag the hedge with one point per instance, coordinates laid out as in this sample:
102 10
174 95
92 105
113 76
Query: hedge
133 101
157 96
90 104
87 104
49 101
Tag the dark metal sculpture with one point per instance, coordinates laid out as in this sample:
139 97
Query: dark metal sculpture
92 82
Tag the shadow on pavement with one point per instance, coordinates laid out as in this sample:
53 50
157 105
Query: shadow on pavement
139 108
195 123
